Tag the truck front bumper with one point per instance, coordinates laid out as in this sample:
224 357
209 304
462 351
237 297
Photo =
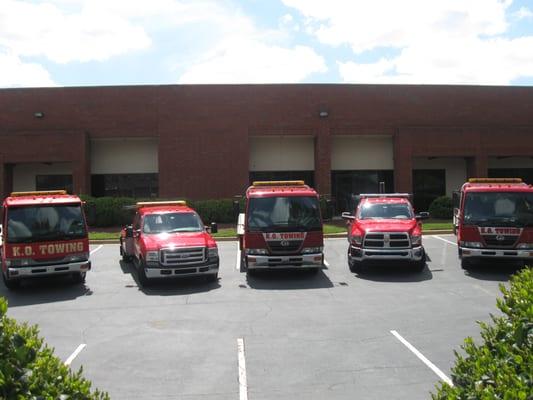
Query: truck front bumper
297 261
408 255
509 254
43 270
162 272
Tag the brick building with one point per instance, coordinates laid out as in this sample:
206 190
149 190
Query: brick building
210 141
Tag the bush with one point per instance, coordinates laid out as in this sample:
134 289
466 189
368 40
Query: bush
441 208
29 370
502 366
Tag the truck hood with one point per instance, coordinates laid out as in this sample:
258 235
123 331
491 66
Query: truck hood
385 225
178 239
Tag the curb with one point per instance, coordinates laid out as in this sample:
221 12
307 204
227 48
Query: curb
326 236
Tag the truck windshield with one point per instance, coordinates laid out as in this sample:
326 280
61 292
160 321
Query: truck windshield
292 213
385 211
499 208
45 223
172 222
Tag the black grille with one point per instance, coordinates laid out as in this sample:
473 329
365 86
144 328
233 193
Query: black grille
291 246
400 243
386 240
507 241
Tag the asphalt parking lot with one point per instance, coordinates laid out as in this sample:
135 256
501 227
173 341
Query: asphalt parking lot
280 335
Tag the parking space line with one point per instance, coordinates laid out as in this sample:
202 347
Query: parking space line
75 354
98 248
238 261
428 363
243 385
444 240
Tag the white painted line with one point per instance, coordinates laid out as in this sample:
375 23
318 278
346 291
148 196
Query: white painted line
243 385
326 263
98 248
444 240
75 354
238 261
431 366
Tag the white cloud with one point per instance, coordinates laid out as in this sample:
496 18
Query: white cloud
16 73
455 41
523 12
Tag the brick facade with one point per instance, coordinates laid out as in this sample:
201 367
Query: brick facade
203 130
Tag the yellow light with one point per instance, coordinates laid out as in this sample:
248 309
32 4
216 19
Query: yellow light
278 183
41 193
161 203
495 180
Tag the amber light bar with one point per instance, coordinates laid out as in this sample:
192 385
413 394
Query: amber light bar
39 193
160 203
278 183
406 195
495 180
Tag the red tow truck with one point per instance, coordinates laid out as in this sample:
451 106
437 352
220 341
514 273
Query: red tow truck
385 229
281 227
493 221
44 233
168 239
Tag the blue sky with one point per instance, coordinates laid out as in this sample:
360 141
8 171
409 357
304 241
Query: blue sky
122 42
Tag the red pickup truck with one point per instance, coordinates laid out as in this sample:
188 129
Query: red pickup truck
385 229
168 239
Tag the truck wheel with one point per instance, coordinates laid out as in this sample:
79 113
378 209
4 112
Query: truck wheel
466 264
79 277
212 278
356 266
419 266
11 284
126 258
141 273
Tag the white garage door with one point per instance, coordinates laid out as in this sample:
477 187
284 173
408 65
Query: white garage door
282 153
124 156
350 153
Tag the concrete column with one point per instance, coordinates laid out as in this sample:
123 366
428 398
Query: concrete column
81 167
323 158
403 163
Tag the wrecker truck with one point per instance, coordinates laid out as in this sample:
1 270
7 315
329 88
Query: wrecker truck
281 227
385 229
493 221
168 239
43 233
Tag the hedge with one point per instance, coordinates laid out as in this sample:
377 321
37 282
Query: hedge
501 367
441 208
29 369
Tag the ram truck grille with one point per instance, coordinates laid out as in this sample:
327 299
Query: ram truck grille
387 241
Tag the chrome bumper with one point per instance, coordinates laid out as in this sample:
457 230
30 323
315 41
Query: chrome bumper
42 270
467 252
173 272
410 255
296 261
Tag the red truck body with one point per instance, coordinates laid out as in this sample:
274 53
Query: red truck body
385 229
168 239
44 233
493 220
281 227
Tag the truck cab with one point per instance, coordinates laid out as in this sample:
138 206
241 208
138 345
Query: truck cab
43 233
281 227
493 221
385 229
168 239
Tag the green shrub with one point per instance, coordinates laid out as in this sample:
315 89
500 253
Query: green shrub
29 369
502 366
441 208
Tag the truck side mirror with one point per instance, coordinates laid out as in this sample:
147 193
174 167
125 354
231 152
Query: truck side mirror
136 233
347 216
129 231
422 215
214 227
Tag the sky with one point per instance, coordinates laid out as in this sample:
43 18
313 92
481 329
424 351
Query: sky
131 42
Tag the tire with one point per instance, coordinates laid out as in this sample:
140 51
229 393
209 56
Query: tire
356 267
11 284
419 266
466 264
212 278
141 273
79 277
127 259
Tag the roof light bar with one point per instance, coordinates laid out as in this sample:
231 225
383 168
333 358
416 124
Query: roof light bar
39 193
160 203
278 183
495 180
405 195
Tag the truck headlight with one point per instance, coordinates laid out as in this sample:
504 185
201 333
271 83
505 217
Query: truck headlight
152 256
212 252
77 257
256 252
312 250
475 245
357 240
525 246
18 262
416 240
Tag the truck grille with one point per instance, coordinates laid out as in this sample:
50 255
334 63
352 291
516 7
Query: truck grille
285 246
500 240
387 241
183 256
